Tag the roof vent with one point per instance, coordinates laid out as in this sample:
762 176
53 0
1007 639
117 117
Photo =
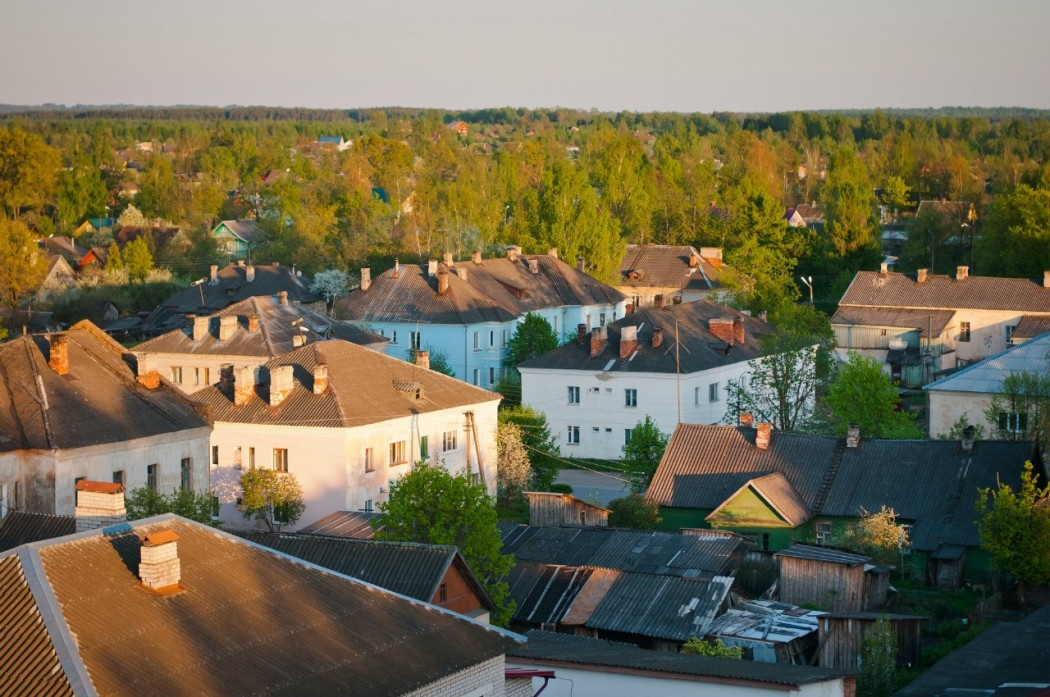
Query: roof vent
159 567
411 388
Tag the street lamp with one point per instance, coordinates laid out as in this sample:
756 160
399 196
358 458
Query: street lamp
808 280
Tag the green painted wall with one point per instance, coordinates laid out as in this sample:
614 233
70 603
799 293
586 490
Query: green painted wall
748 509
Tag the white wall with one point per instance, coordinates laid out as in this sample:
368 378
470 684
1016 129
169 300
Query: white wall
945 408
330 462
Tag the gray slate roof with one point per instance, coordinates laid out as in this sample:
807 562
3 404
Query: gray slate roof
825 554
496 290
666 266
872 289
700 350
356 524
928 322
986 377
21 527
1031 326
550 648
245 230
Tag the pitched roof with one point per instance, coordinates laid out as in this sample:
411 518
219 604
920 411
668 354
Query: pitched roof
1030 327
704 465
245 230
278 326
408 568
357 524
496 290
363 388
21 527
550 648
666 266
811 213
873 289
160 236
98 401
986 376
700 349
825 554
247 620
775 490
64 247
928 322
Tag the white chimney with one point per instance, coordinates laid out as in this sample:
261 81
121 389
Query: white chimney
280 384
159 567
244 385
99 505
227 327
366 279
214 274
249 273
1046 279
852 436
200 327
448 259
432 267
320 378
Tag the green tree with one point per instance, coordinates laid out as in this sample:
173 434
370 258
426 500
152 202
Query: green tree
432 505
1015 529
878 661
642 453
781 386
539 444
634 511
159 190
895 194
1021 408
850 208
699 647
28 169
276 498
114 259
1015 238
876 535
532 337
147 501
513 470
80 192
330 285
138 259
863 394
24 264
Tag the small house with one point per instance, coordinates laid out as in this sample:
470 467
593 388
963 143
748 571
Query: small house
553 509
831 579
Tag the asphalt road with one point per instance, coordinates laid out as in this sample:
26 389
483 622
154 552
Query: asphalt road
593 487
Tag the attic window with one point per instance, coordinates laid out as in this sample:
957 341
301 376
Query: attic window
636 275
414 389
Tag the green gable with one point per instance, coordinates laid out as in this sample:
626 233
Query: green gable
747 509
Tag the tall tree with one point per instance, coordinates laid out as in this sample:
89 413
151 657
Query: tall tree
24 263
863 394
532 337
642 453
28 168
850 208
781 386
138 260
276 498
539 443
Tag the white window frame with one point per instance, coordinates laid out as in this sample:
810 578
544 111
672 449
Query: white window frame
630 397
574 394
449 441
714 395
398 454
572 435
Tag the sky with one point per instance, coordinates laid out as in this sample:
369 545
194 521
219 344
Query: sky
610 55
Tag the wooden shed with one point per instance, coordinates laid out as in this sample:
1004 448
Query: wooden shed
841 638
551 510
831 579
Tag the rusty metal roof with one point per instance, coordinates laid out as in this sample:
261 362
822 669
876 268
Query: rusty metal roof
872 289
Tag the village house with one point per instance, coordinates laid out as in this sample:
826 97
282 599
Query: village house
237 238
967 395
219 615
346 421
247 333
466 312
73 409
60 277
672 362
925 324
650 270
779 488
65 247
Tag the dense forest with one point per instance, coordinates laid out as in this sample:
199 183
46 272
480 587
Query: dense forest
410 187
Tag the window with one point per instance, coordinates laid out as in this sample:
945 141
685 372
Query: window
964 331
186 473
712 392
214 507
573 436
492 377
630 398
196 376
176 375
824 531
397 453
583 517
764 542
368 507
370 463
1009 332
1012 422
118 477
251 457
477 341
424 447
574 394
237 457
627 435
443 593
214 455
448 441
492 339
477 377
280 459
280 514
696 396
393 336
601 319
414 340
555 325
207 376
151 476
503 341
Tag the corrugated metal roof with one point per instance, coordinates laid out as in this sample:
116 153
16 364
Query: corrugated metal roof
29 666
928 322
550 647
544 593
248 621
1030 327
765 620
20 527
665 266
662 607
357 524
986 377
872 289
832 556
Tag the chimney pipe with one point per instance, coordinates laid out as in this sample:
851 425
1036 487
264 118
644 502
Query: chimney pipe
598 339
226 379
282 297
658 337
366 279
58 356
448 259
513 252
253 322
961 273
694 260
159 567
280 384
432 268
476 257
320 378
422 358
739 331
746 419
298 340
461 271
442 282
553 252
852 436
397 269
99 505
581 332
200 328
214 274
243 385
534 266
249 273
228 327
1046 279
762 435
722 329
628 341
676 299
968 438
581 264
884 269
658 301
920 276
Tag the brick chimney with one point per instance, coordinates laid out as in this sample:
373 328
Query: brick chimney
461 271
658 337
581 332
280 384
920 276
658 301
447 258
762 435
968 439
282 297
99 505
253 322
145 374
226 379
397 269
201 325
432 268
214 274
534 266
961 273
1046 279
320 378
739 331
628 341
476 256
722 329
228 327
159 567
244 385
553 252
598 339
442 282
746 419
694 261
852 436
249 273
421 358
58 356
581 264
298 340
513 252
366 279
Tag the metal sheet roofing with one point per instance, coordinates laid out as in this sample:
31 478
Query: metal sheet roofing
765 620
872 289
21 527
986 377
928 322
356 524
663 607
544 593
831 556
1030 327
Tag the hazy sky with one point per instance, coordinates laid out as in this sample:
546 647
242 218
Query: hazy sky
641 55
